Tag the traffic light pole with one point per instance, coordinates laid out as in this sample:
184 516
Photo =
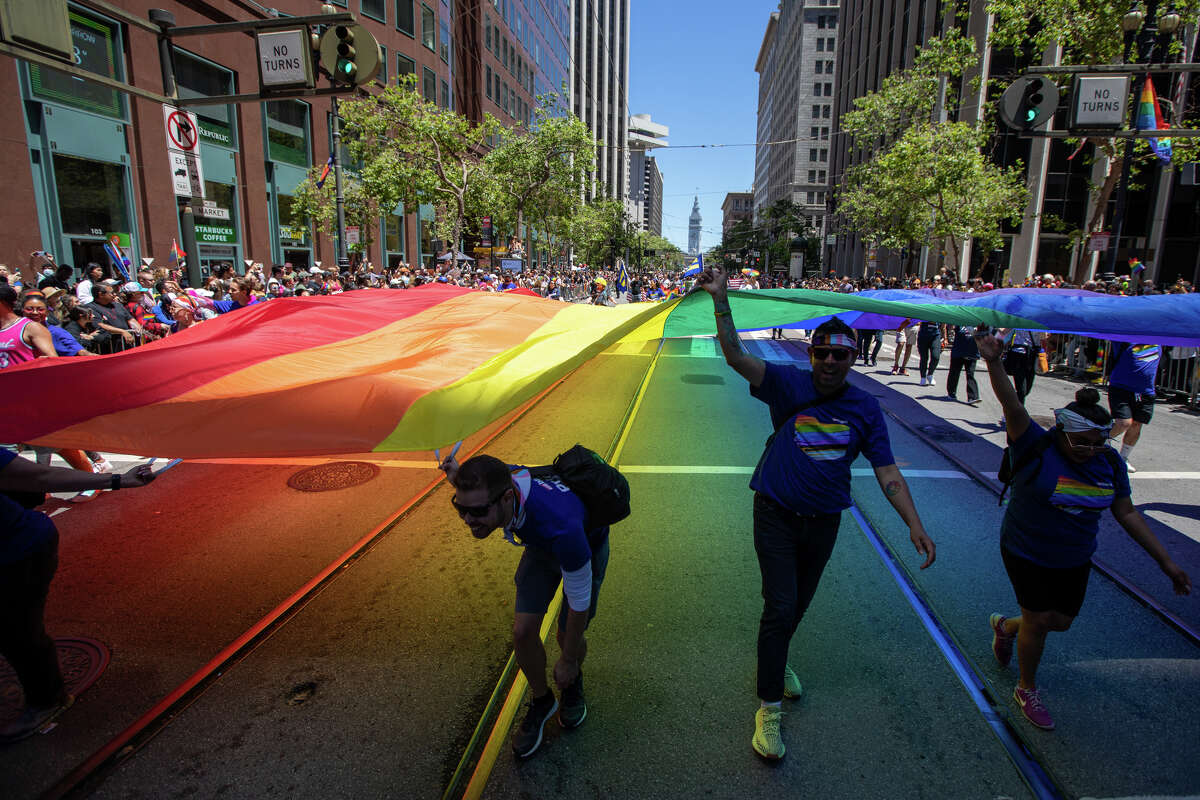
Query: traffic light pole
339 203
165 21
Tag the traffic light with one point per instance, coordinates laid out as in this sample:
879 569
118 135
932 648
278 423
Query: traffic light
1029 102
350 54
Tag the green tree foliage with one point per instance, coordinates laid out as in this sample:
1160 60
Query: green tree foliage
927 179
411 152
602 232
1089 32
538 172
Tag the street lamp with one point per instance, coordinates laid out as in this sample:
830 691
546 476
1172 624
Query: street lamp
1151 33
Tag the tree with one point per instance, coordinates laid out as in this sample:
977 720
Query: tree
543 166
411 152
602 232
1089 32
927 179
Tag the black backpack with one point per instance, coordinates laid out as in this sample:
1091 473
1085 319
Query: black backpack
601 486
1008 469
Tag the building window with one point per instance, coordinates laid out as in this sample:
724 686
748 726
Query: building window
444 44
821 44
91 195
817 89
829 90
824 154
445 95
288 132
405 20
375 9
428 28
393 239
487 81
812 198
825 111
824 133
816 111
820 176
382 77
814 133
829 44
429 90
405 66
812 154
821 21
812 176
196 77
828 67
487 33
97 49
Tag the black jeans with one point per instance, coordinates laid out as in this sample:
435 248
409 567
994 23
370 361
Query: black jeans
30 651
957 365
792 552
1023 383
930 350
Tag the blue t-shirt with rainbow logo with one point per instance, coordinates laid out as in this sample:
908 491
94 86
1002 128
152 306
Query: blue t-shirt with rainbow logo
1053 519
807 466
1136 367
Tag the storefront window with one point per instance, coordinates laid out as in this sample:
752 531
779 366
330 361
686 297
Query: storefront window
287 132
216 226
428 252
292 233
393 239
199 78
97 49
91 196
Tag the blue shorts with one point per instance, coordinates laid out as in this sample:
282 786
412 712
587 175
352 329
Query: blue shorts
539 574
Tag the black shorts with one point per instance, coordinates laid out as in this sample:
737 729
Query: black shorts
538 575
1041 588
1124 404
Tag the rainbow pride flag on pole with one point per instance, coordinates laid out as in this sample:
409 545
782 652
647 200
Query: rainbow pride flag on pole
1150 118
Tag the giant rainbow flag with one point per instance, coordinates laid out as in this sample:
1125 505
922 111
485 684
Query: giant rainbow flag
413 370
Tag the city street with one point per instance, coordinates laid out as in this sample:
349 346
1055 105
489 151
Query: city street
373 684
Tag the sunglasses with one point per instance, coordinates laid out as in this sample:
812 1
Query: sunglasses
822 353
1089 446
475 511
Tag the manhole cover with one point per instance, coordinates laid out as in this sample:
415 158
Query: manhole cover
81 660
338 475
944 433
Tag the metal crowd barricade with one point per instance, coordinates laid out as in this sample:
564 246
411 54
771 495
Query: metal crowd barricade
1177 374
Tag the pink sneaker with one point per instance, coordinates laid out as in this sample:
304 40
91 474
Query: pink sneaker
1030 701
1002 643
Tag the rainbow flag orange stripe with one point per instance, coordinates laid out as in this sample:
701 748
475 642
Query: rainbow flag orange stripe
1072 492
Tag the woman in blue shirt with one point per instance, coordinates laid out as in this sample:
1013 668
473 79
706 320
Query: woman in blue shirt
1065 478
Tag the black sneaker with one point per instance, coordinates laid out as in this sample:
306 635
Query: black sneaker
528 737
574 709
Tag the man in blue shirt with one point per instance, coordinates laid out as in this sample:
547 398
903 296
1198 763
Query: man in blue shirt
1131 392
802 484
548 520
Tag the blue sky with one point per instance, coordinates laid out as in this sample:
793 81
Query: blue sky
691 68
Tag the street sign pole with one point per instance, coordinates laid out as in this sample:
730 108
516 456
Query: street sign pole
343 257
165 20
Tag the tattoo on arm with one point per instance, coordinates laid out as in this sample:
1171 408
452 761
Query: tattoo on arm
892 488
731 345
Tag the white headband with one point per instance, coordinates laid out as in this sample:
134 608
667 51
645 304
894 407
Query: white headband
1072 422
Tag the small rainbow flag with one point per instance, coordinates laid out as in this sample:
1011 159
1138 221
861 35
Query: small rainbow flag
1150 118
176 254
325 171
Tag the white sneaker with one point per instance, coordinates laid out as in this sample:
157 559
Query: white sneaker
103 465
1130 467
932 382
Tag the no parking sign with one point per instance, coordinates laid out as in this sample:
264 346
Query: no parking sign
183 151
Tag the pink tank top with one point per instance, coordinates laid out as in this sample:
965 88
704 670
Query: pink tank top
13 349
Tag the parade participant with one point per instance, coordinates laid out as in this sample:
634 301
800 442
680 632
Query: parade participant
906 337
28 560
802 484
1062 481
546 519
21 339
963 355
929 347
35 309
1131 392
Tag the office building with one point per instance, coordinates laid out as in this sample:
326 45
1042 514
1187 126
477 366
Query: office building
599 88
643 199
795 67
737 206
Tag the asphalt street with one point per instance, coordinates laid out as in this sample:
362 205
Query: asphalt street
373 688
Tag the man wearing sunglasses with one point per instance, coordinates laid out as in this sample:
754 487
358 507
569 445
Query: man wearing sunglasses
548 520
802 485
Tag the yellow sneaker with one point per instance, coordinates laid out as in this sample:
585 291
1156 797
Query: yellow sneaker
791 684
767 741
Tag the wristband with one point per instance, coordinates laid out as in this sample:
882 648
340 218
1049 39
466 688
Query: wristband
116 481
723 313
